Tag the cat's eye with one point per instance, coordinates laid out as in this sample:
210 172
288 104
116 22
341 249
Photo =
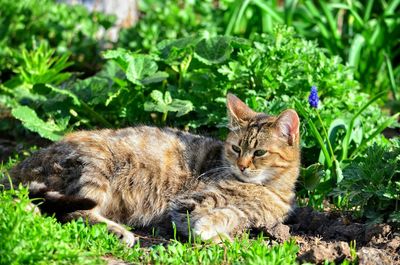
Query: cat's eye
236 149
260 152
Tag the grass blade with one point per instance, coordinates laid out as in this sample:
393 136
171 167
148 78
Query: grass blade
355 50
391 7
232 20
393 85
267 9
346 139
378 130
368 9
331 20
290 7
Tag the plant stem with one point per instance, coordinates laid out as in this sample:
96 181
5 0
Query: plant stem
346 139
315 132
326 136
95 115
321 143
164 117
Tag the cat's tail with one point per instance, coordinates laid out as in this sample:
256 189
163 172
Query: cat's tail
53 202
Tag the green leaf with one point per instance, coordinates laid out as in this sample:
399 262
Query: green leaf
157 104
157 96
31 121
355 50
213 50
140 67
167 98
335 126
41 89
165 103
181 107
155 78
166 47
311 175
121 56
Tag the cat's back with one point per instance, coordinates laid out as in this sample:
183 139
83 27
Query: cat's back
134 156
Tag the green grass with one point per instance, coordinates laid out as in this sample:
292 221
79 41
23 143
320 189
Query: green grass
29 238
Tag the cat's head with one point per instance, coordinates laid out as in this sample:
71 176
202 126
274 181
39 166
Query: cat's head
259 147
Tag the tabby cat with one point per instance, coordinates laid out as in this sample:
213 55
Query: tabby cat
143 176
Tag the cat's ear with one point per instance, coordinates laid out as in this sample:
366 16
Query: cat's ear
238 112
288 125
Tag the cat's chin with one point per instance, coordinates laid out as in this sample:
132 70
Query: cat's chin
257 179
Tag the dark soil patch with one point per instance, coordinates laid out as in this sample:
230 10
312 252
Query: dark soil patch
327 235
10 147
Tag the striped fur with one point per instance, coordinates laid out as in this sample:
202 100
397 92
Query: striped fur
144 175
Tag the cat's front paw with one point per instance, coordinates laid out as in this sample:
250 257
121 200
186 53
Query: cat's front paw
207 230
126 237
129 239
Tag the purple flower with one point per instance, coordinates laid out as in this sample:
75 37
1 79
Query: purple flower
313 99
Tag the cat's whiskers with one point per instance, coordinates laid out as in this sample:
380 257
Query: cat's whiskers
213 171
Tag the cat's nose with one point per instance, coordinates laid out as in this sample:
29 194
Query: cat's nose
242 167
242 164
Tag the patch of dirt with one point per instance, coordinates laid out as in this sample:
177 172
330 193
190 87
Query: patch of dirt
10 147
327 236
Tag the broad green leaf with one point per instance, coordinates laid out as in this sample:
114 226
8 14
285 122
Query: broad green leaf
94 90
41 89
213 50
121 56
113 54
157 96
157 104
166 46
31 121
178 43
164 103
151 106
181 107
140 67
155 78
335 126
311 175
237 42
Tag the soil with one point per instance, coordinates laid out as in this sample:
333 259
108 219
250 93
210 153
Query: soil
327 236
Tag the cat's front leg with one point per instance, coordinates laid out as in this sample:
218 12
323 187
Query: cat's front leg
207 221
93 216
218 224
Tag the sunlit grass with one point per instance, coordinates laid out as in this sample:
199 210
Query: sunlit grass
29 238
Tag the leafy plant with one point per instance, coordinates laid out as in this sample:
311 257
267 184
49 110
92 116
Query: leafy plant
68 29
334 145
41 106
363 33
170 19
164 103
371 184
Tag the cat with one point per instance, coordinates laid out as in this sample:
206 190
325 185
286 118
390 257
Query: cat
141 176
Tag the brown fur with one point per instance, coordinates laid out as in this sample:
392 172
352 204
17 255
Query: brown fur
143 175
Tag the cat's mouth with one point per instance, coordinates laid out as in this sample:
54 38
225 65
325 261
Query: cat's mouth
257 177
